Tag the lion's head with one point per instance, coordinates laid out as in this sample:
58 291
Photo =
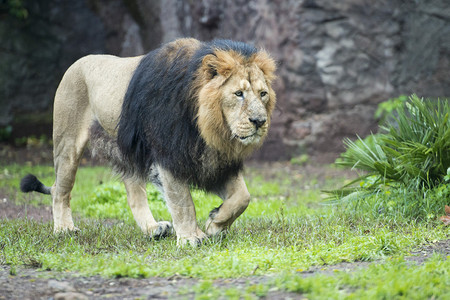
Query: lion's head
235 100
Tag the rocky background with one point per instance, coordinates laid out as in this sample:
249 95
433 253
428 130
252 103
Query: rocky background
337 59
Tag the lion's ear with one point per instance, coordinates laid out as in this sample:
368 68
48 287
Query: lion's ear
267 65
209 66
220 63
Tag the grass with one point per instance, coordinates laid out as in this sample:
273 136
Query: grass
286 230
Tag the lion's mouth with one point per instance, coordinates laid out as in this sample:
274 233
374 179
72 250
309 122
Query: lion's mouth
248 139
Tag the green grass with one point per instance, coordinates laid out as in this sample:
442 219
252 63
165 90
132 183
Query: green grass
287 229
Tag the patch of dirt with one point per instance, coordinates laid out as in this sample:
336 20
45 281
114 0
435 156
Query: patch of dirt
9 210
299 174
34 155
32 284
423 253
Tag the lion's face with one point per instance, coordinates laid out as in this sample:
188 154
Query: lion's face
236 101
244 99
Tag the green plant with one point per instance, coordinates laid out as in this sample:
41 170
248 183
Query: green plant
387 108
300 160
406 168
12 270
447 177
32 141
413 151
14 8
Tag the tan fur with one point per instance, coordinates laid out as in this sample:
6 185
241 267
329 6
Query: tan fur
93 89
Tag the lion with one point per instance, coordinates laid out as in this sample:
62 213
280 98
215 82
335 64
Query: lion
184 115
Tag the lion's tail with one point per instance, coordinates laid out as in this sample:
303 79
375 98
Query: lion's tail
30 183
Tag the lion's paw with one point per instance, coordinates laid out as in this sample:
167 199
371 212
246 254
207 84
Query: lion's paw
63 230
213 229
163 229
193 240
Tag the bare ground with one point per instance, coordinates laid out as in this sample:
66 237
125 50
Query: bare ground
30 283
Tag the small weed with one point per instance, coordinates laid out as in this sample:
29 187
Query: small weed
12 270
300 160
387 109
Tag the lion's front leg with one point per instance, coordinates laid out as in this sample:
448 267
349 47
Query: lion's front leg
236 199
181 206
137 200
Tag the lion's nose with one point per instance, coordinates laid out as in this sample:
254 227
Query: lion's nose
258 122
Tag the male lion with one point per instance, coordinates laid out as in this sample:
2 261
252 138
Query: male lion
185 114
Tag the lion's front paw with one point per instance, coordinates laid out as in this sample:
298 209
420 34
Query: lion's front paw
163 229
193 240
213 229
65 229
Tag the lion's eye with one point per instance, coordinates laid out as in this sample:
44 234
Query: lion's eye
239 93
263 93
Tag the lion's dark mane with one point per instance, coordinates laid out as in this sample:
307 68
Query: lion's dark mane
158 120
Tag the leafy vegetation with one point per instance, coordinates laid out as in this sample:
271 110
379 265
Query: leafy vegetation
408 164
415 148
387 109
14 8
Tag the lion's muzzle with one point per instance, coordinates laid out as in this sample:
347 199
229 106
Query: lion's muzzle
258 122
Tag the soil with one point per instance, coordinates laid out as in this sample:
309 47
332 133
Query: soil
30 283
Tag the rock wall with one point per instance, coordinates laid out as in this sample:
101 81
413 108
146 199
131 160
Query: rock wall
34 50
337 59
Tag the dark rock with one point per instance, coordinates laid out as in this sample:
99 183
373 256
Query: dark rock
35 52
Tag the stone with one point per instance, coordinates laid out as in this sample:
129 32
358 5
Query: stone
60 286
70 296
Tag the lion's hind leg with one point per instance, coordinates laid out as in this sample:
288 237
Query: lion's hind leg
137 200
236 199
68 149
67 154
71 120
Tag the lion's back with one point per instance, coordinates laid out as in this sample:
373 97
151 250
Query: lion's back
99 81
